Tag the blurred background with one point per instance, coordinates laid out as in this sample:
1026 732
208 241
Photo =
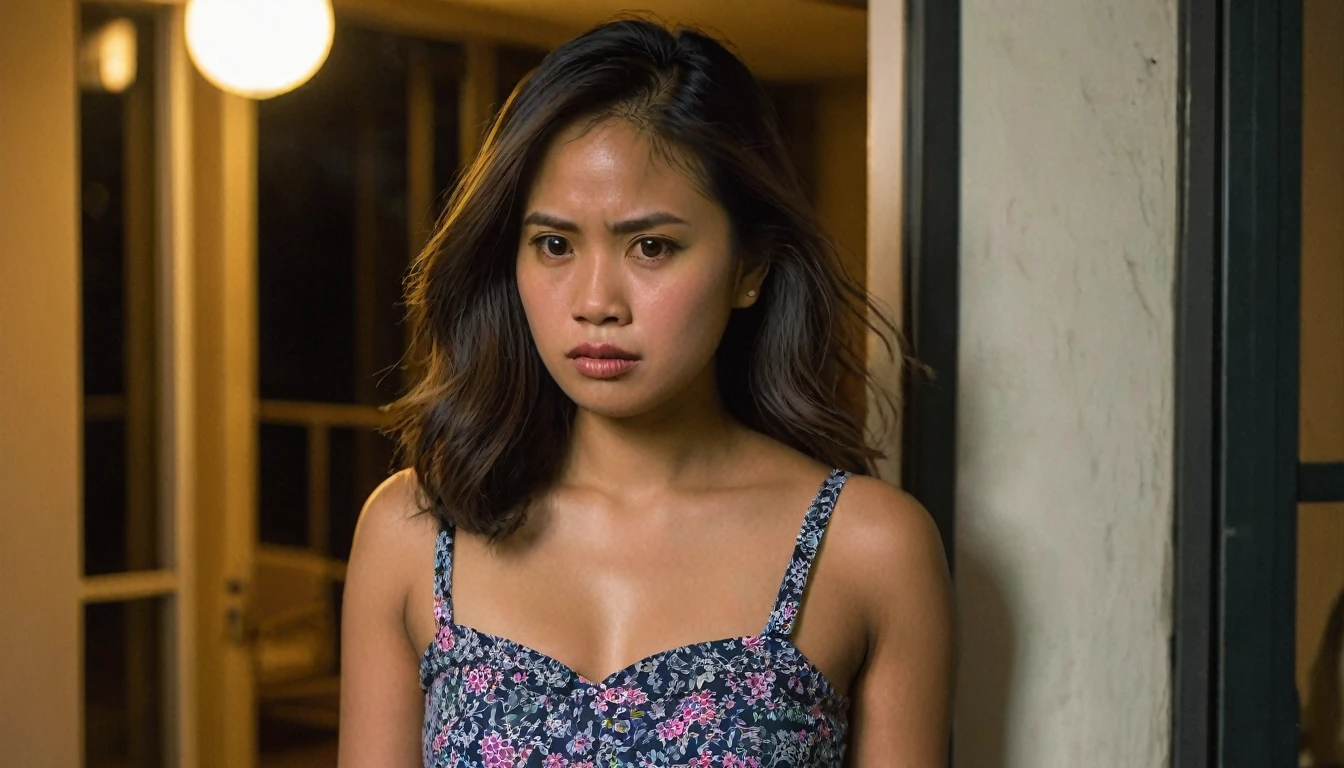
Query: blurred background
199 385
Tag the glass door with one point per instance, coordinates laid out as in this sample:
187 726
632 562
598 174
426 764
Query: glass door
136 588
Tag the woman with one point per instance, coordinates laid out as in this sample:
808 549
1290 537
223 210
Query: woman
630 340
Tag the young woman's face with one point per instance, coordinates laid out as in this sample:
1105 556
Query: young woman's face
626 272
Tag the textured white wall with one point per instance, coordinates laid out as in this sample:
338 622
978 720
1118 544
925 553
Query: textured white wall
1069 203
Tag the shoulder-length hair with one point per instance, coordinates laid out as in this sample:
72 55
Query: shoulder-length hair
483 424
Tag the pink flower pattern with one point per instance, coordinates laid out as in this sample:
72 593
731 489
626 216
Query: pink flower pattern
699 707
497 751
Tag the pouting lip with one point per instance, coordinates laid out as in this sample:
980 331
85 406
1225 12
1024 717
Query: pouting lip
601 352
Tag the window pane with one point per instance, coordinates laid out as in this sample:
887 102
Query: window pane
1322 421
118 297
283 485
105 521
123 684
360 460
332 225
102 119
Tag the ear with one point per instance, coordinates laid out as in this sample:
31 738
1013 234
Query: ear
748 285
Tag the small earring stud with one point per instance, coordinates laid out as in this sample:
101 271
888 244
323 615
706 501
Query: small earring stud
751 294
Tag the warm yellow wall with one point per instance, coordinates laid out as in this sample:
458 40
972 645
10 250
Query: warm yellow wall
1320 570
839 177
40 387
782 40
841 171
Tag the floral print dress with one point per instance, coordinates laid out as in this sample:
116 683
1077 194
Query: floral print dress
741 702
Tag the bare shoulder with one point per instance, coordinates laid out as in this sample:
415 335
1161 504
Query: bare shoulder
394 515
881 542
887 548
394 538
395 505
382 704
876 521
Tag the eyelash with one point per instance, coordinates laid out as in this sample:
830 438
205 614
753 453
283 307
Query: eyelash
670 247
539 242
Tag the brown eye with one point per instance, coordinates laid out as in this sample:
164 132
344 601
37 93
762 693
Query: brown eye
555 246
653 248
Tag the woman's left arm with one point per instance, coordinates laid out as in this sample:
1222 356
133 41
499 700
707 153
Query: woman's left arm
901 708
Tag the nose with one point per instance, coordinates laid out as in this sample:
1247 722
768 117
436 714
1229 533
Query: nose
600 291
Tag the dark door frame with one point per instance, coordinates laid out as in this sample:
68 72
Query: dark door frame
931 260
931 269
1237 386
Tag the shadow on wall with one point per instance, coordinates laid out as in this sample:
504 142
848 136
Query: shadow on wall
988 651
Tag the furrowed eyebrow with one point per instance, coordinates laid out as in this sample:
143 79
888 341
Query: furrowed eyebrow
644 222
541 219
537 218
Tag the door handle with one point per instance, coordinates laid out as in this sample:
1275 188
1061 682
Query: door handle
237 626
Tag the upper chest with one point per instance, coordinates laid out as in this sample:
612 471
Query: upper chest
600 587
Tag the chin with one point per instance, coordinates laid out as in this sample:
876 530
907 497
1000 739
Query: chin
611 404
619 398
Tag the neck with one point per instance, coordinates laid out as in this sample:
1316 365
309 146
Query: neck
685 443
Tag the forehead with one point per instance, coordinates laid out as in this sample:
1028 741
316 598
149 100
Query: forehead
612 164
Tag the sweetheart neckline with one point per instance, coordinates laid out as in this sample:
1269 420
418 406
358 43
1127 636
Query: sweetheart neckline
828 688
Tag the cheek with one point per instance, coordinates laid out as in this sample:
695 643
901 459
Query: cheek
541 299
686 314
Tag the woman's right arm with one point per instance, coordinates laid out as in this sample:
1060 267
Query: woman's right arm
382 706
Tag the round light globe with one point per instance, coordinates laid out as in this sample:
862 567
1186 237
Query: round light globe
258 48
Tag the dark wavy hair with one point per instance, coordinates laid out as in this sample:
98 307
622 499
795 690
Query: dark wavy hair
484 425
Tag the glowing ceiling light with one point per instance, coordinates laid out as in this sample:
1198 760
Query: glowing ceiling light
259 48
107 57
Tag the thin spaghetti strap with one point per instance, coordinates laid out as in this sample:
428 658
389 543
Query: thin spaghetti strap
443 578
790 597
